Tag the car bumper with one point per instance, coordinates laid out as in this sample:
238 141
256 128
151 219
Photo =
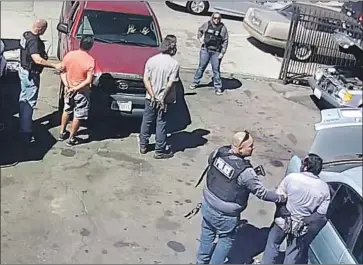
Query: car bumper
325 96
128 105
264 39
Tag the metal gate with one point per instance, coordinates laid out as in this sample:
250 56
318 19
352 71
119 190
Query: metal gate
311 43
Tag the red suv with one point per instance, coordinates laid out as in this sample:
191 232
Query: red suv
126 35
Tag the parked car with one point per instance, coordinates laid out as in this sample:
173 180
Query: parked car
271 27
353 9
338 140
341 86
232 7
126 35
2 59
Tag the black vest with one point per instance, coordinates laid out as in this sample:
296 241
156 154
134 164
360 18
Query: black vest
223 175
26 60
213 38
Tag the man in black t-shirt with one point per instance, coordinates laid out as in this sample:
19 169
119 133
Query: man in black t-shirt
33 58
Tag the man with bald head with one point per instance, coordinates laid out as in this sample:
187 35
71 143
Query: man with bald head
33 58
230 180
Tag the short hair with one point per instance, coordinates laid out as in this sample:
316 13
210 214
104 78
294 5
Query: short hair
86 42
313 164
167 46
170 37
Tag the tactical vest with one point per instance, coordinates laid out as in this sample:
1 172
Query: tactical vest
222 177
213 38
26 60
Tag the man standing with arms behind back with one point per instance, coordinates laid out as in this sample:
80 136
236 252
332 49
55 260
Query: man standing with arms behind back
77 79
213 36
33 58
161 73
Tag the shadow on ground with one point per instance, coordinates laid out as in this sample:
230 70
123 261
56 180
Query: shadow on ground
12 150
184 10
227 84
250 242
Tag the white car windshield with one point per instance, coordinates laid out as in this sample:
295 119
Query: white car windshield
340 143
122 28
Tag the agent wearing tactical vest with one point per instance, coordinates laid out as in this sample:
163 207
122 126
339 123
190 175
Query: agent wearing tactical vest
230 180
33 58
214 46
303 216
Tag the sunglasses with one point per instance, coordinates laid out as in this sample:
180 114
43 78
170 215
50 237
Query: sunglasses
247 136
217 18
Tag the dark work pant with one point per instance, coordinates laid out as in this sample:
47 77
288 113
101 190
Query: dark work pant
151 116
293 249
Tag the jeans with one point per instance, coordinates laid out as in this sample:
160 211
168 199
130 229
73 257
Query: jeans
29 83
274 241
215 223
150 116
205 57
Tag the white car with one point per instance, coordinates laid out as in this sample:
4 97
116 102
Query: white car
232 7
2 59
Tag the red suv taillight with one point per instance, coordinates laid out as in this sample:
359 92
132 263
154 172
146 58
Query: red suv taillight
360 19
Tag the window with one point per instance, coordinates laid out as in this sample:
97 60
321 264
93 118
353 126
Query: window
358 248
122 28
344 212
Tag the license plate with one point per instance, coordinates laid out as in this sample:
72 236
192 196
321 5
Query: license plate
317 93
121 106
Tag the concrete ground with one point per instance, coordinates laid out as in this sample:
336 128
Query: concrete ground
103 202
242 57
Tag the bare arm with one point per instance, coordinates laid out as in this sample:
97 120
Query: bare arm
147 83
174 77
39 60
64 79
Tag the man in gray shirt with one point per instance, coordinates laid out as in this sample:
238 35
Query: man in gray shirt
161 73
230 180
213 36
308 199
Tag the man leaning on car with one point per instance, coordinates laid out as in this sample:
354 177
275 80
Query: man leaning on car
161 72
308 199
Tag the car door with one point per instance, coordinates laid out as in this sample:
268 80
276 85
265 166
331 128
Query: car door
344 214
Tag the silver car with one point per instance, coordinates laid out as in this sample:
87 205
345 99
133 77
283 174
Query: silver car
231 7
338 141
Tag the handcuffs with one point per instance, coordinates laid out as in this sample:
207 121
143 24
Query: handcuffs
158 104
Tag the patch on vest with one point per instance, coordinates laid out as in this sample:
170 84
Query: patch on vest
224 168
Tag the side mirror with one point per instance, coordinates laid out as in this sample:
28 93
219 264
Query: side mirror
63 28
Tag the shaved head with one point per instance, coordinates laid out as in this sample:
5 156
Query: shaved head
242 142
39 26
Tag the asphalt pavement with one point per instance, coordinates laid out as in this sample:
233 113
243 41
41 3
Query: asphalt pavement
103 202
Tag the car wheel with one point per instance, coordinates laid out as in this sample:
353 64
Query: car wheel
302 52
198 7
61 98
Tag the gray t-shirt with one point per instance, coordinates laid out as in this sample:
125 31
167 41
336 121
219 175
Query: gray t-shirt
160 69
305 193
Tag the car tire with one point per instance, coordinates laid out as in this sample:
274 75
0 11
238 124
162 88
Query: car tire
197 9
302 52
61 98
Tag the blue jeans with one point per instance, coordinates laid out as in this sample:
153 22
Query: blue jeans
205 57
29 83
150 116
215 224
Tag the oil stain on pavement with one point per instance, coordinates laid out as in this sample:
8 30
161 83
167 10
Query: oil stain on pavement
176 246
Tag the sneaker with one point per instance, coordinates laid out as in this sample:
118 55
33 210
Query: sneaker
143 150
72 141
219 91
163 155
62 136
193 86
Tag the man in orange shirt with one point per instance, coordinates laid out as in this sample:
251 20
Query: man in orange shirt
77 79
